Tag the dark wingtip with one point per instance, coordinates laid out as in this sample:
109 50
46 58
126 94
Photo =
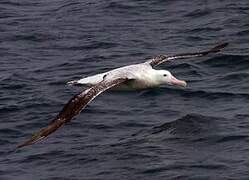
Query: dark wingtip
44 132
35 137
219 47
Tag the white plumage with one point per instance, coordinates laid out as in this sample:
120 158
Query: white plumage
141 76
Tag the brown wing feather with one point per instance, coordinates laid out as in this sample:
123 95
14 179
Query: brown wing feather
162 58
72 108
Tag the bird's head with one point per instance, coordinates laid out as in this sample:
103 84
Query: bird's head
165 77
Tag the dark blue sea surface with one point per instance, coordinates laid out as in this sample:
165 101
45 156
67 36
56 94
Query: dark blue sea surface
201 132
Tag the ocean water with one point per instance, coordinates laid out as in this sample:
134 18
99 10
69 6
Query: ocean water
201 132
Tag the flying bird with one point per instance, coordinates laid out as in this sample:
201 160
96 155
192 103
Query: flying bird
131 77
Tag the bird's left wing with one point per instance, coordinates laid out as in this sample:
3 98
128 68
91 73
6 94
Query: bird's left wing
162 58
73 108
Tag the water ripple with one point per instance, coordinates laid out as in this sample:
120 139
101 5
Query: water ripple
200 132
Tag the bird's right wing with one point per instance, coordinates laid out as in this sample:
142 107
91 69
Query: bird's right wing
73 108
162 58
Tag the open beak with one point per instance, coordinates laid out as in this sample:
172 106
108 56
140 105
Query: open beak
177 82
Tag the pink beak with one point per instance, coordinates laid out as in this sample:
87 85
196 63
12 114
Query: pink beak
178 82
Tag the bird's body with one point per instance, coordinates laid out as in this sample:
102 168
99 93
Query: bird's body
131 77
141 76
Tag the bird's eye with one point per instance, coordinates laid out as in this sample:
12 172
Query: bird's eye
165 75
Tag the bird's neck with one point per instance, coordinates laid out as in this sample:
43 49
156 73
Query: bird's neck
153 78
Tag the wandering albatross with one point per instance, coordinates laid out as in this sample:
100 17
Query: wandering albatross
132 77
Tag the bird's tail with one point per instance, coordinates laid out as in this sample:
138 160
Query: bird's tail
72 83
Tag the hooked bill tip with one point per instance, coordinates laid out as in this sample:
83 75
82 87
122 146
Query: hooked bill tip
183 84
178 82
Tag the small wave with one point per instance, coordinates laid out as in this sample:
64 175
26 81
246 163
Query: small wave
241 116
90 46
190 124
7 132
184 166
37 37
235 76
188 69
185 65
206 94
132 125
229 138
9 108
18 4
67 6
228 61
42 156
13 86
119 5
4 142
203 29
198 13
242 33
213 95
